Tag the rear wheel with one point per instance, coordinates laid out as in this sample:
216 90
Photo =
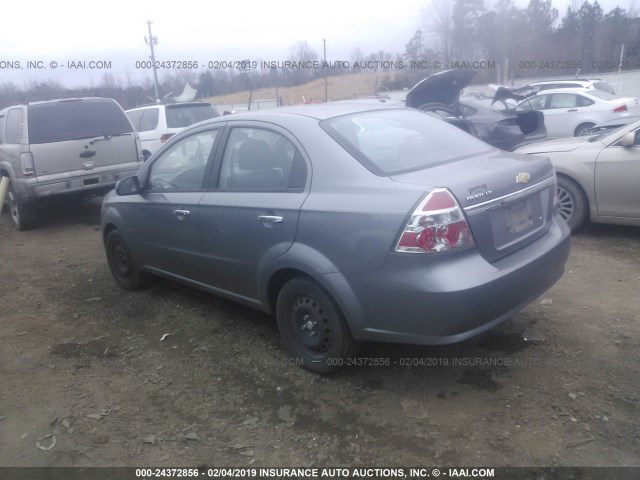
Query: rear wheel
312 327
23 215
123 267
572 203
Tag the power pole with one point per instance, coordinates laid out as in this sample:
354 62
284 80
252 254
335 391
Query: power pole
151 41
326 96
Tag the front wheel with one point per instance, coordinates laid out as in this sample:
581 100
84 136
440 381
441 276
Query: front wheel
312 327
572 203
123 267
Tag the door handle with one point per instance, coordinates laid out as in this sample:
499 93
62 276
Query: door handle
181 214
572 110
270 219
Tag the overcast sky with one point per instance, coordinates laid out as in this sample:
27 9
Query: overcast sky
68 30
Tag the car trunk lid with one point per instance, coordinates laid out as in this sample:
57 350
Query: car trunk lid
84 154
507 198
442 88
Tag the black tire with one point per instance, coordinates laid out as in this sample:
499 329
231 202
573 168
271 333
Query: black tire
312 327
572 203
435 107
123 267
23 216
583 129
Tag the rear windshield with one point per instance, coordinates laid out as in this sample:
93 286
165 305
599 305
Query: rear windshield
389 142
179 116
604 86
75 119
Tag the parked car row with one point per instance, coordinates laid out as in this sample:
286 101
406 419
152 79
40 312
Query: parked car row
349 221
80 147
596 177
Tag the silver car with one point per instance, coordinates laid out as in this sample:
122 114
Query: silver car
597 175
348 222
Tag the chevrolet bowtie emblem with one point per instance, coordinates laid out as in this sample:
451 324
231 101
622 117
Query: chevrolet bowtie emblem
523 177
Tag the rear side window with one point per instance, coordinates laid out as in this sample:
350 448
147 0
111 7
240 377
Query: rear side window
260 160
14 121
135 116
149 120
180 116
76 119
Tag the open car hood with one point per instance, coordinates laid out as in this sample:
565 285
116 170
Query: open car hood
442 87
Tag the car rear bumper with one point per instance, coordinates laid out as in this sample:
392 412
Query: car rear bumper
447 299
99 181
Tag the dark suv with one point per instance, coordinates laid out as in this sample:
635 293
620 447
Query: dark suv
73 147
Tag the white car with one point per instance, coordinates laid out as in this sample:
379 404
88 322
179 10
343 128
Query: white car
571 112
589 84
597 175
155 124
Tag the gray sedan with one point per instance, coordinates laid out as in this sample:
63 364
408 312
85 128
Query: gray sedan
598 175
348 222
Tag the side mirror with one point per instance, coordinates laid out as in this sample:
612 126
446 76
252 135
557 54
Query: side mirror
128 186
628 140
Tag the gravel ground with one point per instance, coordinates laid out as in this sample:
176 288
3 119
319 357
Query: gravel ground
84 363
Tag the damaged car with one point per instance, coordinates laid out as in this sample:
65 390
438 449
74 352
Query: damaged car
493 120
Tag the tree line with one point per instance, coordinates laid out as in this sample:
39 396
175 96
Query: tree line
502 42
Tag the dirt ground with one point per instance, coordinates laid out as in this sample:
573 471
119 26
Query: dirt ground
84 362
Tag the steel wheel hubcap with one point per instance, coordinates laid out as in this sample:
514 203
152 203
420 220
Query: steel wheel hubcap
121 259
311 325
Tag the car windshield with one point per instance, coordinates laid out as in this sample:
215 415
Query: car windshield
180 116
388 142
76 119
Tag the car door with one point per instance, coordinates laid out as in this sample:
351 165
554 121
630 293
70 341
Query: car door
250 215
617 180
165 221
562 114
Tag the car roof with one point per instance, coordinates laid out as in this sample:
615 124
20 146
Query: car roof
319 111
150 105
577 80
565 90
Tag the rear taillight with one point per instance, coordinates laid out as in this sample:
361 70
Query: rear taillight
26 160
165 137
621 108
438 225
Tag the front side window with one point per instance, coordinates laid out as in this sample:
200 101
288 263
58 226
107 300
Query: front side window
182 167
259 160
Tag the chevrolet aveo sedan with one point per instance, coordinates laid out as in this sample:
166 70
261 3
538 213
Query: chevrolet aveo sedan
348 222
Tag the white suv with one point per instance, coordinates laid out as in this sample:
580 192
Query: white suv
155 124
